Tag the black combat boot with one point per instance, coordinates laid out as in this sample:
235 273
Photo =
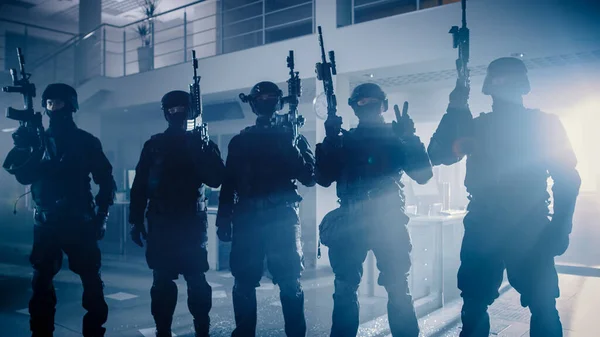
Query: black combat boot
163 333
292 304
201 328
244 308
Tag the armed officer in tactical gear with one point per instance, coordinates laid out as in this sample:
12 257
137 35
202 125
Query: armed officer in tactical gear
259 200
67 218
367 163
170 176
510 153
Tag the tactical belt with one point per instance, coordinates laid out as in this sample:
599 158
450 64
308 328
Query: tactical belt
52 217
65 207
264 203
174 208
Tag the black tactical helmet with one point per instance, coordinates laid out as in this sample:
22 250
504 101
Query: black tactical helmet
64 92
513 69
367 90
260 89
175 98
265 87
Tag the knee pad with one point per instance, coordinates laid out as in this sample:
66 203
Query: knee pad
41 281
345 290
291 289
196 279
197 284
543 308
92 280
242 287
163 286
474 307
400 299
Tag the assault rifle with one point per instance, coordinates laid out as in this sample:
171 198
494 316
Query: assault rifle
26 117
196 108
294 92
324 71
460 40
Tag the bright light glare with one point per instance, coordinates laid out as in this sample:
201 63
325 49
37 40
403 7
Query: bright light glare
582 124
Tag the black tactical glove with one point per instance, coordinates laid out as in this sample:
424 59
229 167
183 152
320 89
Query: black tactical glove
100 224
24 138
333 125
459 97
403 126
138 232
329 146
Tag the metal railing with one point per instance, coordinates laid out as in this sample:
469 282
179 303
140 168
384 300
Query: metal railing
35 40
208 27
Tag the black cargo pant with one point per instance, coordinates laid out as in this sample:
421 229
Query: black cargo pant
53 235
274 233
492 244
177 246
382 230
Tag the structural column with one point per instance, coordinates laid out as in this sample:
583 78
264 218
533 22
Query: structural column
326 198
88 51
3 47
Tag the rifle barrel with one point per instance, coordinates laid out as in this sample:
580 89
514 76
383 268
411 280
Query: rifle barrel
321 44
21 60
464 13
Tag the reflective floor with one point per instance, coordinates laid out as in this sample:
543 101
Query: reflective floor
128 284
